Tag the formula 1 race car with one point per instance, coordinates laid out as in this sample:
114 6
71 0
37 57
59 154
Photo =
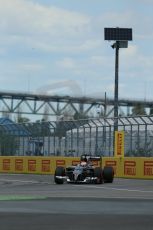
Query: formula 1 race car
84 172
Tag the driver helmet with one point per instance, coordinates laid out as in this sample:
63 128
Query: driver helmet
83 163
84 158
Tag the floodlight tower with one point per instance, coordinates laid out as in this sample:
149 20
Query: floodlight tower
121 36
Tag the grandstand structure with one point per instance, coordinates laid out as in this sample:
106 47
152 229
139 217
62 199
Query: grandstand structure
74 138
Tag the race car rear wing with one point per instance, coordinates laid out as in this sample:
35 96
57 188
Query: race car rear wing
91 158
95 158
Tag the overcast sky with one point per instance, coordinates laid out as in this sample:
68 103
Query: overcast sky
59 45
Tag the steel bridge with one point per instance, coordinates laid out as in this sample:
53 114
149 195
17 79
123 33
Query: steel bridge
55 105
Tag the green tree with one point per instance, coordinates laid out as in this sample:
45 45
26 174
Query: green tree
151 111
23 120
19 118
9 145
138 110
78 116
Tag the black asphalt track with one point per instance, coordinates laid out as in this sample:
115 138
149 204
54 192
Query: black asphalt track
31 221
33 202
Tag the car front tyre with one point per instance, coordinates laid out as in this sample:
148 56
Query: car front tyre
59 172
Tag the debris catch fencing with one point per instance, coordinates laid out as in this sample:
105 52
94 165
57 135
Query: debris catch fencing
73 138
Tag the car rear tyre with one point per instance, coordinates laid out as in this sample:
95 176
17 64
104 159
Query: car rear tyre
108 174
98 174
59 172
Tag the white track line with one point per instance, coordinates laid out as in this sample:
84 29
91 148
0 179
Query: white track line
23 181
116 189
